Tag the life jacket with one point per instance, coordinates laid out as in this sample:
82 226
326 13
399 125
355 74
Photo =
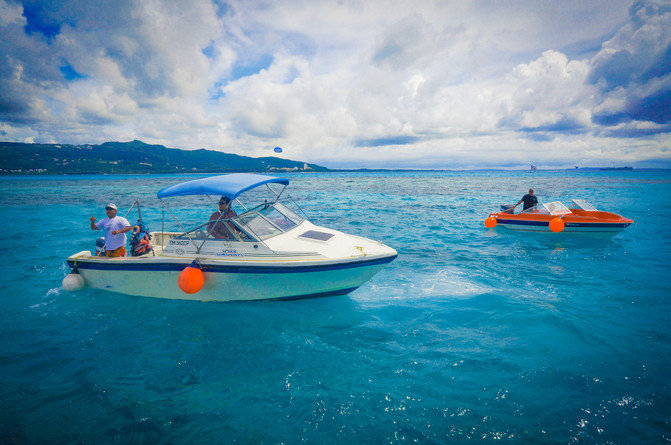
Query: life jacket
140 241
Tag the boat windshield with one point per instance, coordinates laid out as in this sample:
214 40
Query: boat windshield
259 223
555 208
267 220
584 205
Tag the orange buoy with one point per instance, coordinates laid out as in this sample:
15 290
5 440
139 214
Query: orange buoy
556 224
490 222
191 279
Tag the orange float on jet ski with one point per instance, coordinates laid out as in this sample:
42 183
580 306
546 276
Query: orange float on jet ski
582 217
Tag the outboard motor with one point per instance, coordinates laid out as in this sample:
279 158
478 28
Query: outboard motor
508 209
100 247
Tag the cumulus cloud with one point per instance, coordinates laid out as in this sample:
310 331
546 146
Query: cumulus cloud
347 83
548 94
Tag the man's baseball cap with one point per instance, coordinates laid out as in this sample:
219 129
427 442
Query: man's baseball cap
110 206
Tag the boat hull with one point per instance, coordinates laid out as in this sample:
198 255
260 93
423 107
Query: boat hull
227 281
569 227
578 221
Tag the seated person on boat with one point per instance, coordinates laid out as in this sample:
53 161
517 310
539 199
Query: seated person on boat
217 226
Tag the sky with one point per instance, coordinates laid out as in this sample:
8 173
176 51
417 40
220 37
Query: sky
347 84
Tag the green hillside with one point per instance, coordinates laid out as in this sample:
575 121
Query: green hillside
132 157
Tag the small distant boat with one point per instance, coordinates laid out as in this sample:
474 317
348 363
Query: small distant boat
533 168
272 253
582 217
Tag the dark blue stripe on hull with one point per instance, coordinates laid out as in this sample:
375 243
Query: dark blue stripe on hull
523 223
168 267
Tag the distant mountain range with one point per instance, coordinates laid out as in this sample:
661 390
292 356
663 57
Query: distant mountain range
133 157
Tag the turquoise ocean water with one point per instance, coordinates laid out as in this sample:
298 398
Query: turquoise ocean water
470 334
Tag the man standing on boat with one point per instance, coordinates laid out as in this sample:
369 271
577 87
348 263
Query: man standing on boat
216 225
529 200
115 228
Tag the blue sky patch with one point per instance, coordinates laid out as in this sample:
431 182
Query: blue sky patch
217 91
69 72
251 67
38 22
209 50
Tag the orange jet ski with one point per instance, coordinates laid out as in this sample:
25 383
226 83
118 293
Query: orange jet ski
582 217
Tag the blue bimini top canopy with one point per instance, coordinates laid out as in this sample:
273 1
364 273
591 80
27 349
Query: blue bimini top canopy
230 186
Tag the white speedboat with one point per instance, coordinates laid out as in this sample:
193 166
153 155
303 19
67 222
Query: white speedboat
271 252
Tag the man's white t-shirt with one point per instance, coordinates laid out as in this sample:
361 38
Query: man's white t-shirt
113 242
